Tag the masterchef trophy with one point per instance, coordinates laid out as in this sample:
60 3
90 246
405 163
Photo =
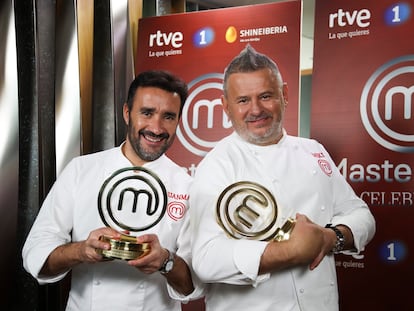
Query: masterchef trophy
247 210
131 200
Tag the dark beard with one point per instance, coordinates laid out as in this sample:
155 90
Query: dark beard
147 155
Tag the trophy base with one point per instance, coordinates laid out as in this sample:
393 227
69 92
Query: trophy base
124 248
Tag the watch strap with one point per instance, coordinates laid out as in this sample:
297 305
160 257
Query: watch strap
340 239
168 263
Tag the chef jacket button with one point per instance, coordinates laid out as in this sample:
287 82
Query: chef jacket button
332 283
302 290
97 282
141 286
314 172
323 207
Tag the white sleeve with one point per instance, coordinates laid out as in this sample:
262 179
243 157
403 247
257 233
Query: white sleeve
217 257
51 228
184 251
350 210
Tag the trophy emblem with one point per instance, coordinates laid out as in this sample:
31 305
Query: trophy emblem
132 199
247 210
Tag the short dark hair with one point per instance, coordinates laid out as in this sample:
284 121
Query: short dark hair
250 60
161 79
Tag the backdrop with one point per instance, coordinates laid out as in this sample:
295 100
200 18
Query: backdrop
198 45
362 110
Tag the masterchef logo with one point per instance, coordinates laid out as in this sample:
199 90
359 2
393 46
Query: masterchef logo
323 163
386 105
325 166
203 122
176 210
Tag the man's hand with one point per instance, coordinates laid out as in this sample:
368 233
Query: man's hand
87 249
307 245
179 277
308 242
151 262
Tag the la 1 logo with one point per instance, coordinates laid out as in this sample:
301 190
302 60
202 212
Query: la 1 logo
386 105
397 14
203 122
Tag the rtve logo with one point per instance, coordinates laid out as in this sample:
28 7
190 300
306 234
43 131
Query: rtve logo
345 18
203 121
386 105
175 39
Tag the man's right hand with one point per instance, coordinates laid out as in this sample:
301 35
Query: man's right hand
87 249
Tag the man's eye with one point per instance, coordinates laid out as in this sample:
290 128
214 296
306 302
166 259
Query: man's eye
169 117
242 101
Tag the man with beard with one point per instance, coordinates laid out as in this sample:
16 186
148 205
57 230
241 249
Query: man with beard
67 234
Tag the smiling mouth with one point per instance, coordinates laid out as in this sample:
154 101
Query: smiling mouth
257 119
151 137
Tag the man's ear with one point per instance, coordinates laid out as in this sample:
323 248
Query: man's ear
125 113
225 104
285 93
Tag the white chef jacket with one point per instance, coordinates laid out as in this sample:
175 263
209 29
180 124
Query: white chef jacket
70 213
303 178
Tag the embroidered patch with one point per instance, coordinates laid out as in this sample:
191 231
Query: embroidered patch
325 166
176 210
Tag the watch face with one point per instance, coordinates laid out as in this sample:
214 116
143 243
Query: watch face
169 266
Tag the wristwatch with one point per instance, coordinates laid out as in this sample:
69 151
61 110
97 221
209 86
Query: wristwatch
340 239
168 264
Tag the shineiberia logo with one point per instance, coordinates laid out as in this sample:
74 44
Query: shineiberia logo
253 34
231 34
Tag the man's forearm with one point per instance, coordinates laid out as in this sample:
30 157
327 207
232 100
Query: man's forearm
61 259
180 277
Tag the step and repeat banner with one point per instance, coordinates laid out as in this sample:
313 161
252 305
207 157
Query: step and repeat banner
198 45
362 111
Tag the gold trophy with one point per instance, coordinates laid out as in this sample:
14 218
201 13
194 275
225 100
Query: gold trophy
247 210
131 200
125 248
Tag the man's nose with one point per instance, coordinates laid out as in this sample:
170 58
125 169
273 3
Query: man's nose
255 105
156 125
